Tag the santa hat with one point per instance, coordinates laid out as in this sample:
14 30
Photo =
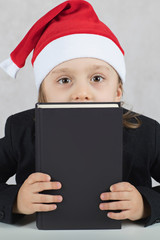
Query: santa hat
70 30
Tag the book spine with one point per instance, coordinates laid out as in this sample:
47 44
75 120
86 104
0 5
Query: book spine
37 141
38 155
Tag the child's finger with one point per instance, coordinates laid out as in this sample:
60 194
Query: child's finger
38 177
115 196
41 186
44 198
117 205
44 207
119 216
121 186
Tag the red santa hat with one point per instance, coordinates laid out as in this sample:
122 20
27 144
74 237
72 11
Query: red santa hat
70 30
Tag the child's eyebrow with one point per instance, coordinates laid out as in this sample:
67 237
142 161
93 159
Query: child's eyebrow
93 67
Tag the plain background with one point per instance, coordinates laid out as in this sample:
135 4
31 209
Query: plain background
135 23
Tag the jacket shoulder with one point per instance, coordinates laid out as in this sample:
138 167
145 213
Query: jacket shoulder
24 117
146 121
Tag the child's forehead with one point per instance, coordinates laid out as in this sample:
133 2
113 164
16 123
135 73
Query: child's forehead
85 62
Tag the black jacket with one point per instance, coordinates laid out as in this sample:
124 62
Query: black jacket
141 161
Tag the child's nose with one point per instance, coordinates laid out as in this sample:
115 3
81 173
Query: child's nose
81 94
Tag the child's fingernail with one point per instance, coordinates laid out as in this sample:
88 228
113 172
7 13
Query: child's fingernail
111 188
102 196
60 198
48 178
54 206
101 206
58 184
108 214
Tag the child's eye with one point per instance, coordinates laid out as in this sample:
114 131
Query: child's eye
98 76
64 80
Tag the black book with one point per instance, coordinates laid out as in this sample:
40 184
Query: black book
80 145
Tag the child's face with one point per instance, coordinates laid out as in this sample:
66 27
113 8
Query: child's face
81 81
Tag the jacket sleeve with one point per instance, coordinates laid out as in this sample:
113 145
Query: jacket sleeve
153 195
8 167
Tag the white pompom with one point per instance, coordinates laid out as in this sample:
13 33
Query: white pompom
9 67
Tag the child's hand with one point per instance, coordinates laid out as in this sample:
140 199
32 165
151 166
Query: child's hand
130 202
29 200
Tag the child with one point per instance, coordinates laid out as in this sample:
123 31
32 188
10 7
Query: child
77 58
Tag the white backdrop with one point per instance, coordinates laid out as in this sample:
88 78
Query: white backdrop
136 23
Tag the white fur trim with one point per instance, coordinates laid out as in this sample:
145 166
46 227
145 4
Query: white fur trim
76 46
9 67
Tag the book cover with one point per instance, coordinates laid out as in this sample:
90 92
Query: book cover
80 145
